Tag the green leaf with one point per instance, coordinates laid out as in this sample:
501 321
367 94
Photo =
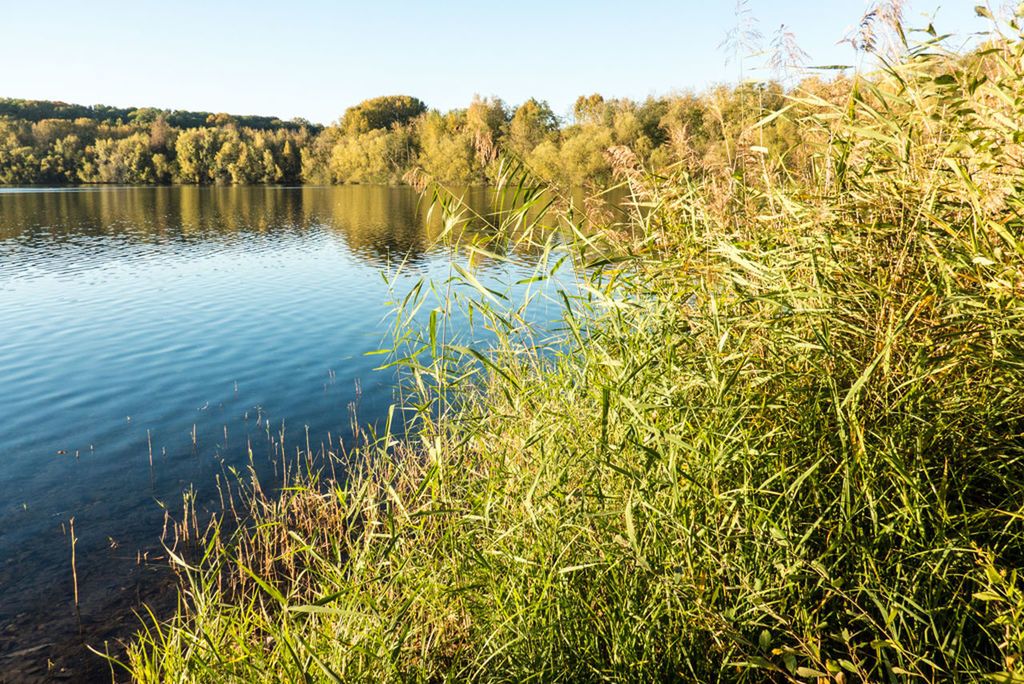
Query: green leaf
809 672
1006 677
987 596
433 333
269 588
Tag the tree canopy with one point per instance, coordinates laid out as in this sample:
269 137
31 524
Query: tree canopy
381 112
381 139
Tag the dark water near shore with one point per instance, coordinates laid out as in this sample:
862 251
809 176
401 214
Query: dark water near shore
133 318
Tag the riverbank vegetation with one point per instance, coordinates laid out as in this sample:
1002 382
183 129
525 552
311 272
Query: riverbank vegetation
776 434
381 140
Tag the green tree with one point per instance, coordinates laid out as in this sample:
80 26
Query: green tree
488 121
291 163
447 149
126 160
222 120
533 123
196 151
161 135
381 112
226 158
316 155
246 168
62 161
583 154
589 109
360 158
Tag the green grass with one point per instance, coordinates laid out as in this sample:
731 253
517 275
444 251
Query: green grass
777 434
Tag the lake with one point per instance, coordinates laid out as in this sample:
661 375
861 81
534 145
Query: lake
149 338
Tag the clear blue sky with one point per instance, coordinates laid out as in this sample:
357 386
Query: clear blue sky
314 58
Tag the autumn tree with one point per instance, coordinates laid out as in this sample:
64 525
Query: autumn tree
381 112
196 151
589 109
532 123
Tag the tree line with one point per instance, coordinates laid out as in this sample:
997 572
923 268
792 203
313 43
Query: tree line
381 140
38 110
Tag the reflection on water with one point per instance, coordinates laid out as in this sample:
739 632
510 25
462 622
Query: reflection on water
180 326
375 223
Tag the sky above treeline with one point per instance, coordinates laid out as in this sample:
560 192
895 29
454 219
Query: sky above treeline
315 58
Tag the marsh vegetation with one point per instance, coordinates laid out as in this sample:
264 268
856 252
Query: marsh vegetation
775 434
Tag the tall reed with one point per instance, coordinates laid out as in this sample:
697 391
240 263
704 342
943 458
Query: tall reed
775 434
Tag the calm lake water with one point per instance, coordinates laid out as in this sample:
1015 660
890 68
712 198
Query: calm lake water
131 318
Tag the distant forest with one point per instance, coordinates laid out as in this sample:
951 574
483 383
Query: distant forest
381 140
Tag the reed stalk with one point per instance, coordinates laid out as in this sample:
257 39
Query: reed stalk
774 430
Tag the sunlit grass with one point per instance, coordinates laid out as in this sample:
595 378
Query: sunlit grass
776 434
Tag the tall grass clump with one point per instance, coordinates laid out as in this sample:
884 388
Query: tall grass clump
776 432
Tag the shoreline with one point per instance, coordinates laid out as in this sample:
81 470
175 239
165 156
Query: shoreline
51 643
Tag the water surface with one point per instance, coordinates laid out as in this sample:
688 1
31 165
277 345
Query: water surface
182 325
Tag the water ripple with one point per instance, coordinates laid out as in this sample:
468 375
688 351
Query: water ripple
131 317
